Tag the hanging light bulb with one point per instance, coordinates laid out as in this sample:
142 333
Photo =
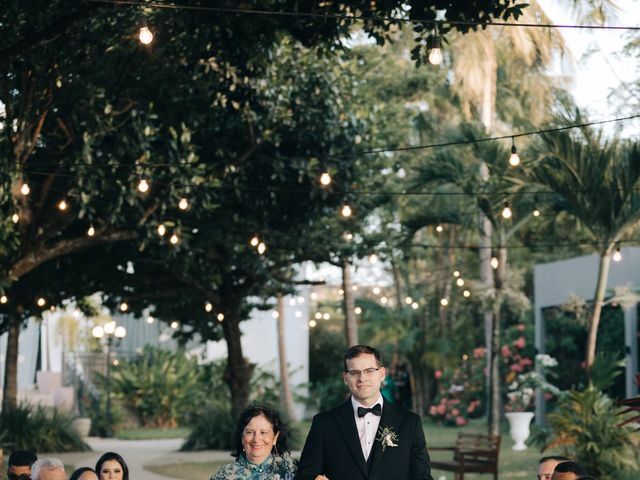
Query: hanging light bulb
145 35
514 159
63 205
4 299
262 248
183 204
325 179
466 293
220 317
536 213
174 239
506 211
124 307
346 211
456 273
15 218
460 282
494 263
208 307
24 189
617 256
143 186
434 45
162 229
41 302
254 241
439 229
92 231
444 302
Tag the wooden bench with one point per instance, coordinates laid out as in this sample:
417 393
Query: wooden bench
473 453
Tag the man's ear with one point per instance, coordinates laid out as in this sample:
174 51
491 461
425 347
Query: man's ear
344 378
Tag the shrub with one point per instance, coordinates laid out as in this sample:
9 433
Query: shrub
38 429
585 426
157 386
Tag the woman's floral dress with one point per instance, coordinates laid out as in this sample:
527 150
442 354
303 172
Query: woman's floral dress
275 467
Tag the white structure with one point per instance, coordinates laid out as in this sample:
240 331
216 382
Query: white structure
553 284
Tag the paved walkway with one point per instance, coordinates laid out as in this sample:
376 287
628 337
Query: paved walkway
139 453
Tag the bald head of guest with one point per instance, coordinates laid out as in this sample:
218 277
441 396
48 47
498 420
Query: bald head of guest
546 465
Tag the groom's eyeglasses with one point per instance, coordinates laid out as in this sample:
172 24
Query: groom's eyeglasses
367 372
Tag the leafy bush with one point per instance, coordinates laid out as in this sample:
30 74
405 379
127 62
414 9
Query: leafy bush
38 429
213 431
585 426
157 386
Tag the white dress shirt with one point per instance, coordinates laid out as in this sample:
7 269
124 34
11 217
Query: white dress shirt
367 426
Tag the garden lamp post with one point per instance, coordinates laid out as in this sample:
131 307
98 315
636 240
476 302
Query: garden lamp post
109 331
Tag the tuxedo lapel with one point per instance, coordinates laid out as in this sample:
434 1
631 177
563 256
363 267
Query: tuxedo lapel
347 425
391 418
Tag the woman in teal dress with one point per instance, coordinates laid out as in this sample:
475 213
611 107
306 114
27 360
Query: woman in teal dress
260 448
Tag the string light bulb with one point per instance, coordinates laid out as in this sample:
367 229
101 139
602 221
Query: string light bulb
24 189
41 302
254 241
325 179
4 299
456 273
434 45
124 306
92 231
63 205
15 218
506 211
444 302
162 229
466 293
536 213
617 255
220 317
208 307
261 248
174 239
514 159
460 282
183 204
439 228
145 35
346 211
494 263
143 186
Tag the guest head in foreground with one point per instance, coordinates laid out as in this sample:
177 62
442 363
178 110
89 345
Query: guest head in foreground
111 466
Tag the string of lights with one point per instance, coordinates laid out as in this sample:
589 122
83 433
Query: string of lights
354 17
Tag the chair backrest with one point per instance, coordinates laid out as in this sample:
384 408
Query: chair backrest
477 448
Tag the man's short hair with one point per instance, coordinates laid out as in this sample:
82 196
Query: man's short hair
570 467
45 463
555 458
21 458
357 350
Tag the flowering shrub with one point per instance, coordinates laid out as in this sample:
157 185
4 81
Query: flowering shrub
521 390
459 391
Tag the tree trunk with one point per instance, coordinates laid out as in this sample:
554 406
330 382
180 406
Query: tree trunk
351 327
494 371
10 391
239 371
598 299
285 386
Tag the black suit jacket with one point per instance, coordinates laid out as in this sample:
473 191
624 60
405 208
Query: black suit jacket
333 448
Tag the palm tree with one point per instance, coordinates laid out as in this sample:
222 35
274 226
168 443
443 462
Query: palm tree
597 182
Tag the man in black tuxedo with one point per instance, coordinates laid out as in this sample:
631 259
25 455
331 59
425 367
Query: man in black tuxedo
365 438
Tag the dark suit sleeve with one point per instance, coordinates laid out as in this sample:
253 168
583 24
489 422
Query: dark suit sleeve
312 458
420 468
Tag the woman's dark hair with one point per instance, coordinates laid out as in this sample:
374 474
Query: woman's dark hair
278 425
113 456
78 473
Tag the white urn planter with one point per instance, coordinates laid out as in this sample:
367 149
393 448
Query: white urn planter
519 428
82 425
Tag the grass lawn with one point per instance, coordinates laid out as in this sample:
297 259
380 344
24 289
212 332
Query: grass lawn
153 433
513 465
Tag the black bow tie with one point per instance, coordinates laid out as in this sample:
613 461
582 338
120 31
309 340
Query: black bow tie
376 410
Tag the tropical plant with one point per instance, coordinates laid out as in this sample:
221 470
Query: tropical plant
596 181
38 429
157 386
585 427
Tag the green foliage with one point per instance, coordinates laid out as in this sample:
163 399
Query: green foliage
158 386
326 388
38 429
212 431
585 425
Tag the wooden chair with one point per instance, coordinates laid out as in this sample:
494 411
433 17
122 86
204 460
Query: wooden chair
472 453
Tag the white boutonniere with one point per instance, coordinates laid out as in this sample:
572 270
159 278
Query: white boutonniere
387 437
